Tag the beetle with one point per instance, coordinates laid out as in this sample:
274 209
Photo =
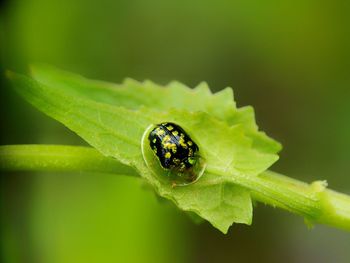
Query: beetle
174 148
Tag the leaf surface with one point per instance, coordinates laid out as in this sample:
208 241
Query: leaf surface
112 118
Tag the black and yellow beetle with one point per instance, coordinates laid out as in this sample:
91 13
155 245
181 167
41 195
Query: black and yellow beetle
175 150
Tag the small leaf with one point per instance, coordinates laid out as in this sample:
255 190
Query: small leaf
112 118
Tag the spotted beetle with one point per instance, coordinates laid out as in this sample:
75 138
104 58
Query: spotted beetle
174 148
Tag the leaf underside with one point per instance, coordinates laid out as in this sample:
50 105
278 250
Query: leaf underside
113 117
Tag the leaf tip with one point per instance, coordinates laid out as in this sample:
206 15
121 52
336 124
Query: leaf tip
128 80
203 87
177 85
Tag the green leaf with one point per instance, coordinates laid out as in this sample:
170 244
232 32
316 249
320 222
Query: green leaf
133 95
112 118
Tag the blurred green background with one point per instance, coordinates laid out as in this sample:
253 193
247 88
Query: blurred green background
289 59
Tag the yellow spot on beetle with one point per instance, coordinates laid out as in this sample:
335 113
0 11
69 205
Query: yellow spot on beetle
154 140
175 133
190 143
167 155
182 143
170 128
171 146
166 139
160 132
182 167
174 148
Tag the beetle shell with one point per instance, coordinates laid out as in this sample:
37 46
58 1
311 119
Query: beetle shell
173 147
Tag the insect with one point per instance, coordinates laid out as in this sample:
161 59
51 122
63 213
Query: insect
175 149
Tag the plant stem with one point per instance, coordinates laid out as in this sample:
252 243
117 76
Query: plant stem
59 158
312 201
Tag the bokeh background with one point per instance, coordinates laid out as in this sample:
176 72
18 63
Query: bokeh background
289 59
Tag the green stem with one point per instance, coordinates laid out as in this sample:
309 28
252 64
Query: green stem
60 158
312 201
